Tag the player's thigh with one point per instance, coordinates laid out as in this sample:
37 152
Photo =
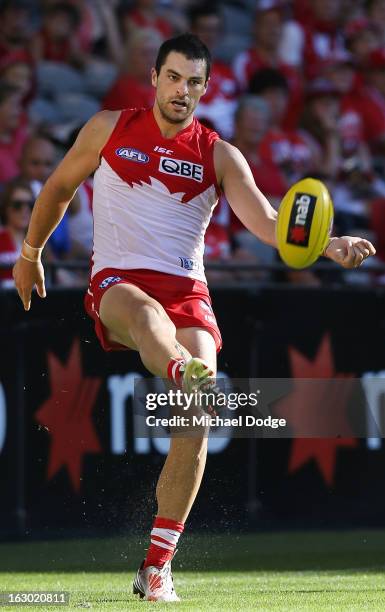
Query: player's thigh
120 309
200 343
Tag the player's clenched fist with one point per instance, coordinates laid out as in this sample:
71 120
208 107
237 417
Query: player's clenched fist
349 251
27 274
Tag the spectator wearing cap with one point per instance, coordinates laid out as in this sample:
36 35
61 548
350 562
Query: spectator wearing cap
133 87
15 212
13 132
265 53
282 147
220 100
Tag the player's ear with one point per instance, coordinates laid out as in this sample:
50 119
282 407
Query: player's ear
154 77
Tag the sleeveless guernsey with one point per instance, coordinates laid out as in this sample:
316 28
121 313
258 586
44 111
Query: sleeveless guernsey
153 197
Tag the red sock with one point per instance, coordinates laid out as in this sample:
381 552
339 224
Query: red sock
164 538
174 370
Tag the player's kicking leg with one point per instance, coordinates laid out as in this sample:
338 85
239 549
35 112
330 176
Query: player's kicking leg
139 322
134 319
176 490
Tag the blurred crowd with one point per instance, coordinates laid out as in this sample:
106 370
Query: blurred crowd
298 86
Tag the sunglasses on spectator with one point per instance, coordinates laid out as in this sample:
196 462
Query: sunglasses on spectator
18 204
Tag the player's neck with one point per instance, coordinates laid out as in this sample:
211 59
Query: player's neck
168 129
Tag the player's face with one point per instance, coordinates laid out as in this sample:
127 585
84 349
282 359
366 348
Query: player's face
179 87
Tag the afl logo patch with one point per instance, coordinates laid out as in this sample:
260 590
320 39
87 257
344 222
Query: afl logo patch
133 155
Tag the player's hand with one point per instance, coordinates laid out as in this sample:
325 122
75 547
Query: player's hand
26 275
349 251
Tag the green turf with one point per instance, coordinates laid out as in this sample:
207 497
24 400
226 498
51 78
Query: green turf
281 571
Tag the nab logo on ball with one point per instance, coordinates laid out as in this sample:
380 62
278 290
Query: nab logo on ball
304 222
301 216
133 155
179 167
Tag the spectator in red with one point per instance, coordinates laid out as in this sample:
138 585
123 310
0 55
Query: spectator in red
15 31
252 120
57 41
13 132
361 38
322 34
284 148
320 127
16 70
144 15
251 123
87 13
220 100
375 10
369 101
133 88
15 212
265 53
340 71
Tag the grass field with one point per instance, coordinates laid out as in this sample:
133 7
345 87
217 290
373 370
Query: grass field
280 571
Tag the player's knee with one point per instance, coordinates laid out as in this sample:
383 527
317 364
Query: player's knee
149 316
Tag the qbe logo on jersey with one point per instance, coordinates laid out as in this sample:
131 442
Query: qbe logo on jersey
301 216
179 167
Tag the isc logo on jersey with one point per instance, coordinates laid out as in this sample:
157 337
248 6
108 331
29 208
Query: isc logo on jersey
133 155
179 167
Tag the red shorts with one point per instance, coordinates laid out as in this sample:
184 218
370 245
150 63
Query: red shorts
186 301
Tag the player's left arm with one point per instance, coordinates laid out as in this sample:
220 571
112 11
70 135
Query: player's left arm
256 213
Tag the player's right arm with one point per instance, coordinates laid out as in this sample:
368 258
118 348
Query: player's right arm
81 160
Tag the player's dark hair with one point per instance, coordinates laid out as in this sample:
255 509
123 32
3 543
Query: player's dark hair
188 45
267 78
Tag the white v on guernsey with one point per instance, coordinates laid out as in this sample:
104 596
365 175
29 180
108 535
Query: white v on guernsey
154 197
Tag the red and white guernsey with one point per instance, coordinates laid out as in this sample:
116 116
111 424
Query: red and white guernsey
153 197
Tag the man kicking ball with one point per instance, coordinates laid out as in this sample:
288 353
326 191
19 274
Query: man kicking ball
157 180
